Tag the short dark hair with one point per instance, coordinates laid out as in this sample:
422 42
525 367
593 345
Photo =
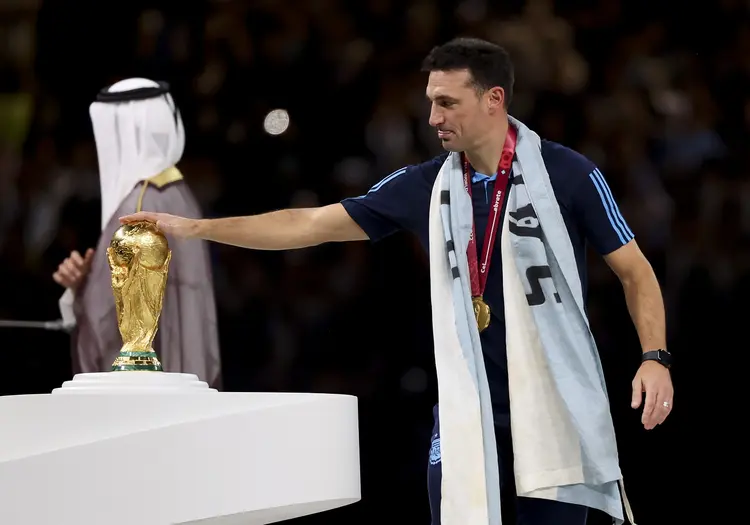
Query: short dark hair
489 64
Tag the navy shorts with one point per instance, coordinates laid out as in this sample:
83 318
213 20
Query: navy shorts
515 510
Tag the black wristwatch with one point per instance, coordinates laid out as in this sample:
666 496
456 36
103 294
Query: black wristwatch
660 356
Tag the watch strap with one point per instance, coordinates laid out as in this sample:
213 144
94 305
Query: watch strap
661 356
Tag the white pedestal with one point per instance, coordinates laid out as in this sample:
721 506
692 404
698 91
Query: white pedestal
153 448
133 382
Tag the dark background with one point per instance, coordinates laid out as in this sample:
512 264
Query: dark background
656 93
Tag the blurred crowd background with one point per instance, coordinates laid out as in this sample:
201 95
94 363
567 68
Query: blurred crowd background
655 92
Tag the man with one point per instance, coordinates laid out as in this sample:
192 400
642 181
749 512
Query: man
139 139
470 88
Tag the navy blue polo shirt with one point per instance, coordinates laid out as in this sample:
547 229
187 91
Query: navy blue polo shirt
401 201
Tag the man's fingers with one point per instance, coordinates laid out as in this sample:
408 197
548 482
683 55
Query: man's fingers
660 414
69 271
76 258
66 274
87 259
59 279
168 224
635 402
140 216
665 396
657 386
648 408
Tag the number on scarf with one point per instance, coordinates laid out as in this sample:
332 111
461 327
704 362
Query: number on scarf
524 222
535 274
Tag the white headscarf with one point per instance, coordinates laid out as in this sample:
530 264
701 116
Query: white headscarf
138 133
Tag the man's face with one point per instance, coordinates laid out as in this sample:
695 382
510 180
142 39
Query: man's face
461 115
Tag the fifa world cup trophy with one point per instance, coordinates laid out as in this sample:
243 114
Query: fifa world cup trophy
138 256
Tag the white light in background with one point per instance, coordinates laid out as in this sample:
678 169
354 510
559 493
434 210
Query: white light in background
276 122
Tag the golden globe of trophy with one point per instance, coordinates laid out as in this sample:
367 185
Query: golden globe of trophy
138 256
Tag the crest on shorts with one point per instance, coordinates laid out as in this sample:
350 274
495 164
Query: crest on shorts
435 451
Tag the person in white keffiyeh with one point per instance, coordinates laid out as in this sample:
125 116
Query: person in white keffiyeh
523 432
140 139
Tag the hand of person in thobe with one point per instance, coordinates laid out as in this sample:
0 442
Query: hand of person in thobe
169 224
74 269
654 380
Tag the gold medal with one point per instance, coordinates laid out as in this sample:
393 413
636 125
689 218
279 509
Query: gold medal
478 272
481 312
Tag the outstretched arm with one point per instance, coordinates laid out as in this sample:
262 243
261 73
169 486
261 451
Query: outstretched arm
278 230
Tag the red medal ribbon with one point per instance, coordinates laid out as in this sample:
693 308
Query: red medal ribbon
478 272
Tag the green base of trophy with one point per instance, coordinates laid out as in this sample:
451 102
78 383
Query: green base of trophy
130 361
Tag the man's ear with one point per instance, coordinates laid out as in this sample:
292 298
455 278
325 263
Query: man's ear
496 99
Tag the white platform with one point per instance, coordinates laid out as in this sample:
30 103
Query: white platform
151 448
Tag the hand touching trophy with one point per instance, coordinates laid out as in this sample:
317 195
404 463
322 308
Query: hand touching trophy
139 258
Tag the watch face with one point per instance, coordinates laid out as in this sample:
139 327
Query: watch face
662 357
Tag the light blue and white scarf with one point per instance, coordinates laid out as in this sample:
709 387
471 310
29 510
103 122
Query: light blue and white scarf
564 441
